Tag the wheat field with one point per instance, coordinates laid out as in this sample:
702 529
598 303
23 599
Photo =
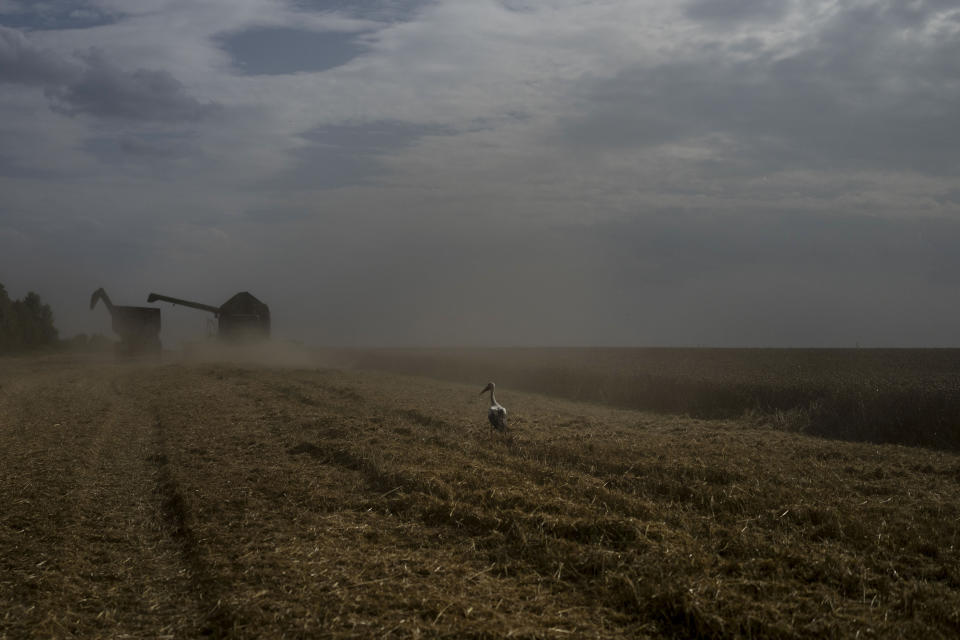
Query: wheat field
240 500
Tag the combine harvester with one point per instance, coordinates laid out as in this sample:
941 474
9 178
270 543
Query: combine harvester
240 320
243 333
138 327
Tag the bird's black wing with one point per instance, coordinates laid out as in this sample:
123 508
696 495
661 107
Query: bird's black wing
498 418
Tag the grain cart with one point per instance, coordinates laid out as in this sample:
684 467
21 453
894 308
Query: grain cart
138 327
241 319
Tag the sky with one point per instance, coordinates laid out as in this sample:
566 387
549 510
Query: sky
727 173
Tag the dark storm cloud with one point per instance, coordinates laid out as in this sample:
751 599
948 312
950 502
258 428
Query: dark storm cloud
726 11
104 90
57 14
90 84
22 62
384 10
271 51
861 96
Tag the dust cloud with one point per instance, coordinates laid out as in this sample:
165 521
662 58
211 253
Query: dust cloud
278 354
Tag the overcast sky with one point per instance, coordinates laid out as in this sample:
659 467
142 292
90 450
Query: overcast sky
479 172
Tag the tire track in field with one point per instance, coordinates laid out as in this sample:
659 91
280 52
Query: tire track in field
118 515
229 484
93 510
219 620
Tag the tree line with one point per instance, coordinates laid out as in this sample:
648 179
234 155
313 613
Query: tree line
25 324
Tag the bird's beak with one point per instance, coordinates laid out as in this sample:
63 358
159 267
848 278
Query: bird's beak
485 389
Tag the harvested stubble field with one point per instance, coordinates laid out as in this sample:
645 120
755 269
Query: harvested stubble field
236 500
904 396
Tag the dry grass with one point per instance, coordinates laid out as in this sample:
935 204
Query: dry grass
904 396
239 501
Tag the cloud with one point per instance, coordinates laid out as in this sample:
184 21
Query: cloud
868 92
725 11
54 14
382 10
104 90
146 153
627 171
283 50
22 62
90 84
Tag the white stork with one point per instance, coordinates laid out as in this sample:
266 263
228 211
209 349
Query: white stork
497 415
